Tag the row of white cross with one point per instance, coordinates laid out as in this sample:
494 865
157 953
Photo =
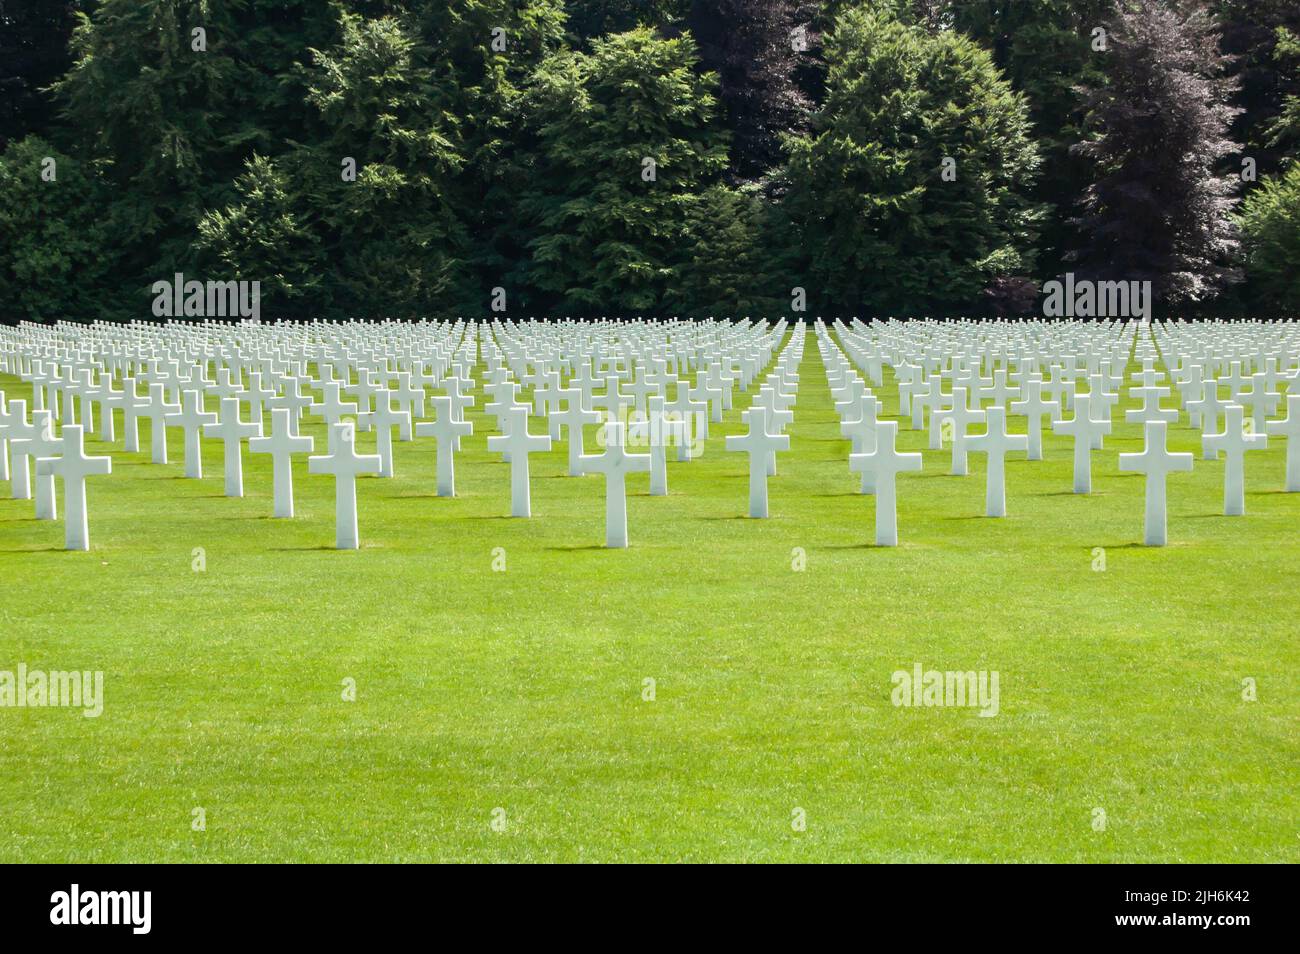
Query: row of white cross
617 374
1202 359
377 376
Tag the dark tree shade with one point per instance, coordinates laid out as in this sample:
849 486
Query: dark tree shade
1250 37
33 54
1158 209
749 44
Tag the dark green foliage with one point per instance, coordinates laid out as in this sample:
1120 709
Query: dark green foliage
57 257
33 53
1265 75
883 228
592 19
500 143
606 238
733 267
1045 48
262 237
1270 225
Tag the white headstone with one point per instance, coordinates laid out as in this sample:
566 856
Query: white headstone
758 444
615 463
1156 462
885 463
447 431
282 444
344 464
1234 442
73 467
232 432
996 442
519 444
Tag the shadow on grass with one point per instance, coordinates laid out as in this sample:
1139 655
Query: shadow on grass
579 547
854 546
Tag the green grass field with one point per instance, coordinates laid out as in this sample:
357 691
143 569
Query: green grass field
522 690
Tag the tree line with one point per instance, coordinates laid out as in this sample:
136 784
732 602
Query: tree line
619 157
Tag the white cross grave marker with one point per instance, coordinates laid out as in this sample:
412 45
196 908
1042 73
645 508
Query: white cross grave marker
344 464
1234 442
73 467
1156 462
884 463
758 444
447 431
281 445
615 463
996 442
519 444
232 431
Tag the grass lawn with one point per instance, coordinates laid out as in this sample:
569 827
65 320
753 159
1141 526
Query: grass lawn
522 690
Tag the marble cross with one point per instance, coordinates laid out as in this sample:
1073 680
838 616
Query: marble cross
962 417
384 418
519 444
17 429
344 464
42 443
232 432
192 418
1289 427
73 467
1156 462
996 442
157 411
1033 407
572 419
885 463
758 443
282 444
1234 442
447 431
1086 431
615 463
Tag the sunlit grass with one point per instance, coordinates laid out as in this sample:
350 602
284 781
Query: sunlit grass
523 689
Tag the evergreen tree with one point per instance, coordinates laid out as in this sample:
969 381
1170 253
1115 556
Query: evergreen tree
1047 50
56 252
627 143
33 54
1159 211
174 96
733 266
263 237
1254 36
910 190
592 19
1270 224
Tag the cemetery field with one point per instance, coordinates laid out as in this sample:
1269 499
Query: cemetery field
502 710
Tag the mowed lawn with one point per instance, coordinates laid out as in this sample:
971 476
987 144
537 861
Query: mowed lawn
522 690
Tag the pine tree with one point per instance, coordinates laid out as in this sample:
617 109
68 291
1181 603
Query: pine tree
1159 211
33 53
910 190
1047 50
264 237
56 252
628 141
1270 224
